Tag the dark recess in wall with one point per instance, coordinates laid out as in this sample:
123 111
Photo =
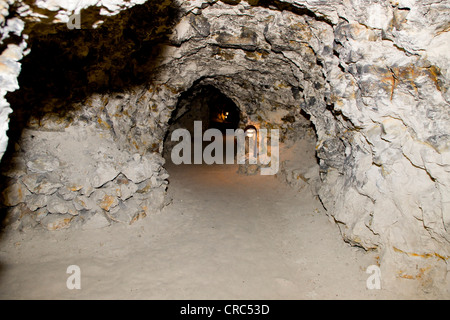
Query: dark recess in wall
67 66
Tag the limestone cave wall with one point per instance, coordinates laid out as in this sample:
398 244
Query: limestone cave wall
372 76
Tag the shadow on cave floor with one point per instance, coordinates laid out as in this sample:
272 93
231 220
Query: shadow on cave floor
224 236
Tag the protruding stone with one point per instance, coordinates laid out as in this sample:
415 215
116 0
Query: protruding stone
97 221
37 201
129 211
42 183
138 171
42 163
108 202
14 194
40 214
153 201
84 203
54 222
57 205
66 193
103 174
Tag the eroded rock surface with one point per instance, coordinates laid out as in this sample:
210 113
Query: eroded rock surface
373 77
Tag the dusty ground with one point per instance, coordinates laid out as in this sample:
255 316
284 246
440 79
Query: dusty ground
225 236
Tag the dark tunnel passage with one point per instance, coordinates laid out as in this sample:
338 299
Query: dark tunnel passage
224 114
207 106
354 105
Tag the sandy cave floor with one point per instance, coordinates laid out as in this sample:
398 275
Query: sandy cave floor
225 236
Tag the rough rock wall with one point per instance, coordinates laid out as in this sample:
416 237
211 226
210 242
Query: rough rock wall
12 47
392 190
49 16
372 75
67 165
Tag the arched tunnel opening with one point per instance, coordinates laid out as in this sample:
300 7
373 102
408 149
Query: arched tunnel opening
237 139
339 135
224 114
207 106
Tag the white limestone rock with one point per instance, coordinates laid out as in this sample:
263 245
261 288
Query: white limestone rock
97 221
14 194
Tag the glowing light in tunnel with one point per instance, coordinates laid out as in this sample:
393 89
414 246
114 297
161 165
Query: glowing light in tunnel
250 132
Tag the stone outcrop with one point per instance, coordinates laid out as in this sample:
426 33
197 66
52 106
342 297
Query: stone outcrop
373 77
78 175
